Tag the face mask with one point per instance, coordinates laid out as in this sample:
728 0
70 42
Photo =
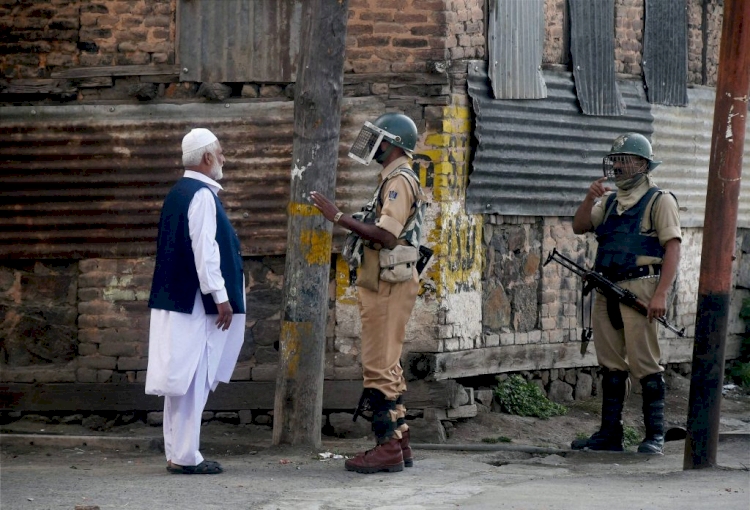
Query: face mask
381 155
628 184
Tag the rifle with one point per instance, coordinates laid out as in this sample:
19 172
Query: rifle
594 280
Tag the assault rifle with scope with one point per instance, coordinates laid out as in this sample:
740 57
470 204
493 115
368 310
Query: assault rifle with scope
594 280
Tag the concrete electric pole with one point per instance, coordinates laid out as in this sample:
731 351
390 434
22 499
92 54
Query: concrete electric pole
317 113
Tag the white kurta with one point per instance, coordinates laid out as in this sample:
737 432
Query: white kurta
177 341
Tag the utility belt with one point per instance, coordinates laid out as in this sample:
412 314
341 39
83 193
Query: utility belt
635 273
392 266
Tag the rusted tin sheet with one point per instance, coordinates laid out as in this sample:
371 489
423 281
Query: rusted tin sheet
516 43
592 46
665 52
682 141
88 181
239 40
538 157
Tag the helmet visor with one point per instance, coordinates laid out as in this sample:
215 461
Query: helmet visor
366 144
621 167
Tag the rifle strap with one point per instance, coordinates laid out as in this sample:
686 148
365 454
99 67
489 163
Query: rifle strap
613 310
586 332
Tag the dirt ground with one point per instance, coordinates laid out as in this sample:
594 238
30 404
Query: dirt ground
583 417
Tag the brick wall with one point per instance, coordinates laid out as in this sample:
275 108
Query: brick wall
113 319
40 37
401 36
556 27
629 36
38 320
404 36
37 36
122 32
712 37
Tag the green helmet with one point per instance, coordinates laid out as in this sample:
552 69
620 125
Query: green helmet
402 128
636 145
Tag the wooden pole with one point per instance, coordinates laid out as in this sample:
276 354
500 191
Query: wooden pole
719 232
298 400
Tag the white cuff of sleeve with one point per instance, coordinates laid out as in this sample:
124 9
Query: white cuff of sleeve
220 296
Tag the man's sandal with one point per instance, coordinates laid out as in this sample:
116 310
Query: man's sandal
207 467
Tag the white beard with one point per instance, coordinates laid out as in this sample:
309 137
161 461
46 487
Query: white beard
216 171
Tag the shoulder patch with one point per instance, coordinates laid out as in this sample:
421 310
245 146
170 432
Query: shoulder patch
392 195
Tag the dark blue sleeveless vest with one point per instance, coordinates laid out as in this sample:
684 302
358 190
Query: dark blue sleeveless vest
620 239
175 275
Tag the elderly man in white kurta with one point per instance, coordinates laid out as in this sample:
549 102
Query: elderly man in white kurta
197 302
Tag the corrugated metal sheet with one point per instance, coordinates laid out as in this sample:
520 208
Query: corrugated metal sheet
516 34
538 157
239 40
682 141
88 181
592 46
665 52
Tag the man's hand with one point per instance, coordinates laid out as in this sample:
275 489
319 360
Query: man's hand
598 189
657 307
324 205
225 315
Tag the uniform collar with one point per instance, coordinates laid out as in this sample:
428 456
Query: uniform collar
192 174
402 161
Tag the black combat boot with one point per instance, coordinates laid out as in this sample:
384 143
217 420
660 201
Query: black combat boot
654 392
609 437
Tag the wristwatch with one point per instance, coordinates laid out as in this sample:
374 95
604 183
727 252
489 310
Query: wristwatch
337 217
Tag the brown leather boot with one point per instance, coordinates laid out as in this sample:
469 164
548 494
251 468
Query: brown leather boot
384 457
406 449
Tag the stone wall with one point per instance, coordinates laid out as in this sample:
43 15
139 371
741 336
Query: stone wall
525 303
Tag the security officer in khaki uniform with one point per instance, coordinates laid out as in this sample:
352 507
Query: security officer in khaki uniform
638 232
383 248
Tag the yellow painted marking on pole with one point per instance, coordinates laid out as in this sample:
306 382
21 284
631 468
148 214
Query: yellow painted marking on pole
292 333
298 209
315 246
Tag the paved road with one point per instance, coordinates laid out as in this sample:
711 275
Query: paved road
63 474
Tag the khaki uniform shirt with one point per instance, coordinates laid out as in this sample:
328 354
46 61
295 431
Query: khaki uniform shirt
397 199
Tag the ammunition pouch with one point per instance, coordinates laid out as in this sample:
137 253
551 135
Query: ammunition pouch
368 273
397 265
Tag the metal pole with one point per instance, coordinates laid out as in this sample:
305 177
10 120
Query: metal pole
719 232
317 114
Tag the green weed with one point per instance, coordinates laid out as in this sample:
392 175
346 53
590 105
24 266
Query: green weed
631 436
498 439
518 396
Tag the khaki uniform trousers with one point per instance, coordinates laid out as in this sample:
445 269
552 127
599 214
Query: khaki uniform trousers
635 348
384 316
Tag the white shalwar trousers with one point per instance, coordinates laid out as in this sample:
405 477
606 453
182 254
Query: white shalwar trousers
182 419
188 357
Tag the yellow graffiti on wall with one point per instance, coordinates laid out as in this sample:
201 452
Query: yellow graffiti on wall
442 164
456 237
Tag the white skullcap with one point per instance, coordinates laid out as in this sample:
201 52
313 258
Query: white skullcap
197 138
